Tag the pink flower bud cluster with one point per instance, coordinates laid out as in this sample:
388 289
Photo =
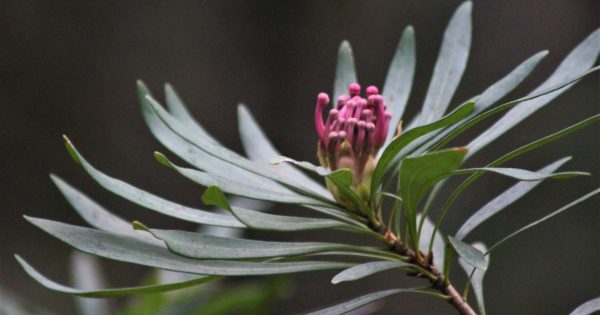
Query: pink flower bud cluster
361 123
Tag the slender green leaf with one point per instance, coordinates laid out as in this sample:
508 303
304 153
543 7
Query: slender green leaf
224 153
104 293
418 174
578 61
355 303
178 109
127 249
271 222
450 65
364 270
587 308
470 254
520 174
150 201
394 148
87 274
95 215
202 246
399 80
345 71
503 200
238 188
547 217
476 276
259 149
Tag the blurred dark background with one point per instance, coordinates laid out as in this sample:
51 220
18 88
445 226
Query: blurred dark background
70 67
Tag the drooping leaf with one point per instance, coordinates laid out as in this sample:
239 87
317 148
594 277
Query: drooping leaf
398 82
259 149
364 270
503 200
418 174
355 303
203 246
476 276
178 109
394 148
105 293
345 71
151 201
87 274
95 215
450 65
587 308
547 217
578 61
470 254
127 249
239 188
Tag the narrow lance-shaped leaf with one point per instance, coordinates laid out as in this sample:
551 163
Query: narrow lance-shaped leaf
418 174
578 61
476 276
86 273
520 174
105 293
355 303
202 246
95 215
236 187
259 149
470 254
587 308
399 80
178 109
148 200
364 270
547 217
127 249
345 71
450 65
504 200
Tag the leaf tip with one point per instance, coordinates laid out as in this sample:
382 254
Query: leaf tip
214 196
71 149
162 159
139 226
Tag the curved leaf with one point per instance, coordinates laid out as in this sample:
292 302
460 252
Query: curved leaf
87 274
470 254
476 276
399 80
364 270
520 174
578 61
127 249
345 71
503 200
587 308
271 222
181 113
105 293
150 201
450 65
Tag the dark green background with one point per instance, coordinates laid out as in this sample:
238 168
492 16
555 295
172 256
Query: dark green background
70 67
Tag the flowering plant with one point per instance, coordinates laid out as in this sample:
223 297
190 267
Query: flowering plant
381 180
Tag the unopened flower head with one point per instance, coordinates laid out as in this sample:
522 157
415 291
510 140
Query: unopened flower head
352 134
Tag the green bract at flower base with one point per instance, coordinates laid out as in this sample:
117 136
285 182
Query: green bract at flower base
365 157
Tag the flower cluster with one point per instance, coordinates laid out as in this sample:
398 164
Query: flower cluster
352 134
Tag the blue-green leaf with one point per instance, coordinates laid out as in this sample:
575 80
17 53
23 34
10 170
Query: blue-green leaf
587 308
399 80
476 276
470 254
128 249
520 174
450 65
87 274
105 293
345 71
178 109
503 200
271 222
578 61
151 201
547 217
364 270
